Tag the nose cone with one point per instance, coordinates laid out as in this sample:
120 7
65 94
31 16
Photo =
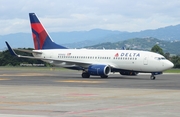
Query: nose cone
172 65
169 65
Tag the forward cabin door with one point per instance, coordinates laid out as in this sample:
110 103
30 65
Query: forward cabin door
145 61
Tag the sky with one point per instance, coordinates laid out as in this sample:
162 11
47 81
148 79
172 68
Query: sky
84 15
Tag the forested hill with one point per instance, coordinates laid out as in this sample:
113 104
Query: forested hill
172 47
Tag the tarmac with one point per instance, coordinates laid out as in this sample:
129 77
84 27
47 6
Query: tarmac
63 93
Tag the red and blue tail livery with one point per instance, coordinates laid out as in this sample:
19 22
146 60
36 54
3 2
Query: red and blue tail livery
41 38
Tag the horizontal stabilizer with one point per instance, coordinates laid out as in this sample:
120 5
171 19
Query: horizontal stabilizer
11 50
28 51
14 53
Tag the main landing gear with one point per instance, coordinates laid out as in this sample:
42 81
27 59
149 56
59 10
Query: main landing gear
152 77
85 75
104 76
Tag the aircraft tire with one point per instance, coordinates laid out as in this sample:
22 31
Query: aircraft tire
104 76
85 75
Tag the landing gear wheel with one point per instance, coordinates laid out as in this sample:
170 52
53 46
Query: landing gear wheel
152 77
104 76
85 75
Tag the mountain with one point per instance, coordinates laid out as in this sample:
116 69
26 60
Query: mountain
141 44
17 39
79 39
169 33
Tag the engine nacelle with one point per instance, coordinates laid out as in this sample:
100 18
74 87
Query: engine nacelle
128 73
99 70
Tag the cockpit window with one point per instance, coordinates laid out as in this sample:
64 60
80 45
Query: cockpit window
160 58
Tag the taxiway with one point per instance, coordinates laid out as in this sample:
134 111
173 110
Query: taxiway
39 93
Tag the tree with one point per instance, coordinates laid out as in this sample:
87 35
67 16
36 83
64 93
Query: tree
157 49
167 55
176 61
7 59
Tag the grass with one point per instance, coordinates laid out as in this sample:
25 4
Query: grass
172 71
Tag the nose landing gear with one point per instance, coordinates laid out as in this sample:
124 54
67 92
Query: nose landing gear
153 77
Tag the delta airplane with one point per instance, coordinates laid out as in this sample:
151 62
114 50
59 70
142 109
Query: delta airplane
93 62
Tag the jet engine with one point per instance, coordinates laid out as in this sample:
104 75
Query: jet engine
99 70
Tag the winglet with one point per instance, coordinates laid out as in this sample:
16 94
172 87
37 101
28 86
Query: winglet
11 50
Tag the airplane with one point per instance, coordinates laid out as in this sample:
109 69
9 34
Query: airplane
92 62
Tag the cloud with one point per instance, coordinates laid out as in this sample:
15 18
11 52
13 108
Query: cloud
75 15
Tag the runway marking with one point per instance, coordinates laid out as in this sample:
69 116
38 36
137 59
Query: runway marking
79 81
115 108
5 79
2 97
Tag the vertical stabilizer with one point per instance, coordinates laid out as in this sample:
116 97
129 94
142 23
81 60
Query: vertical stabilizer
41 38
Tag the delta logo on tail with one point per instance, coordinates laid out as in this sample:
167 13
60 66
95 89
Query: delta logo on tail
92 62
40 37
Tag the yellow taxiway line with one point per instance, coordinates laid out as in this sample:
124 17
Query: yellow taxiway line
5 79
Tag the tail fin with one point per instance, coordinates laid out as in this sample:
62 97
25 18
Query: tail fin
41 38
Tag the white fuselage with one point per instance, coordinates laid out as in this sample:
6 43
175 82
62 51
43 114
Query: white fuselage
134 60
